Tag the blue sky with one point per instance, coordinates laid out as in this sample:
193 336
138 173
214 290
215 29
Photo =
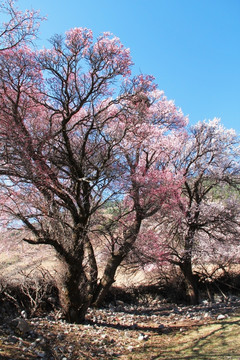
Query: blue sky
191 47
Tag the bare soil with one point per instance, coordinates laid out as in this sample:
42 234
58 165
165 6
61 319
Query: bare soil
158 331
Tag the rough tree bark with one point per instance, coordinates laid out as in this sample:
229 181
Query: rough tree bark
186 265
75 295
190 282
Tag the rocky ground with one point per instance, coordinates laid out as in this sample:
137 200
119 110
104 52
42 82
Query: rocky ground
115 332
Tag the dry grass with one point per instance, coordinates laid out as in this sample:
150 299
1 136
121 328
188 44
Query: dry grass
17 256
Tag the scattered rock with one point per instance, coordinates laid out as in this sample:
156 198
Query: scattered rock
40 354
107 333
143 337
23 326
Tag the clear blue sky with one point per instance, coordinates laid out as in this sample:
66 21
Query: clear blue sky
191 47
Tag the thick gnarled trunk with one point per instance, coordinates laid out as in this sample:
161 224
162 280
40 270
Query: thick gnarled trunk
190 282
80 287
75 294
79 290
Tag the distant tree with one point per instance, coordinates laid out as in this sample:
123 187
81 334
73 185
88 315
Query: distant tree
19 27
77 133
207 217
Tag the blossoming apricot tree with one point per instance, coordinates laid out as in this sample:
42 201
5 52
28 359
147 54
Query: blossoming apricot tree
78 132
206 216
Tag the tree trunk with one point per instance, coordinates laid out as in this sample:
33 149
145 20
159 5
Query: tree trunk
190 282
107 280
186 264
75 294
91 268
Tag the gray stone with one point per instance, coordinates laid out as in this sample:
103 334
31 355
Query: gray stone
40 354
23 326
142 337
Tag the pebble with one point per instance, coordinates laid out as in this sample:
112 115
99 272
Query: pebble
40 354
143 337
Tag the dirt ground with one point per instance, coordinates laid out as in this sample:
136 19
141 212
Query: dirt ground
157 331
